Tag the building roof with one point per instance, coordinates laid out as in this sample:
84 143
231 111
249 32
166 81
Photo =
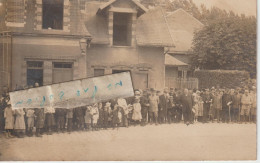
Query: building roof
105 5
172 61
182 26
96 24
152 29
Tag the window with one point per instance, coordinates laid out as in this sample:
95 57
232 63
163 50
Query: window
99 72
34 73
119 71
180 74
122 29
62 72
52 14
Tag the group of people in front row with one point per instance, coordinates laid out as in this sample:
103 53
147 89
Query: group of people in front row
146 107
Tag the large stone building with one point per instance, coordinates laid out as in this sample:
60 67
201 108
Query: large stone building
51 41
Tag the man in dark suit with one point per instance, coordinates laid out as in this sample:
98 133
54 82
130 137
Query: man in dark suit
163 102
187 103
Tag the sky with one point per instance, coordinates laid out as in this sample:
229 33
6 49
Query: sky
247 7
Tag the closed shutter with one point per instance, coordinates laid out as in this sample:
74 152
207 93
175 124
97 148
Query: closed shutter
62 72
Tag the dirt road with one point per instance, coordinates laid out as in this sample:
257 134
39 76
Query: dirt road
163 142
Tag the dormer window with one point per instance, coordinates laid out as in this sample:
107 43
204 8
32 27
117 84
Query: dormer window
52 14
122 29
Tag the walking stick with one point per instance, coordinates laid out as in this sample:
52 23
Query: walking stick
239 107
229 113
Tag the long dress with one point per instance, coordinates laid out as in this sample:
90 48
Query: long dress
200 106
19 120
40 117
196 104
9 118
88 115
137 116
95 114
49 111
30 118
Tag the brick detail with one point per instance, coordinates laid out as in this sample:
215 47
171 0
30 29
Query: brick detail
38 15
134 29
66 16
24 73
110 26
15 13
76 72
47 72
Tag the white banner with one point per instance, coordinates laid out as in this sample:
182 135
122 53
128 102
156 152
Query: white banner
75 93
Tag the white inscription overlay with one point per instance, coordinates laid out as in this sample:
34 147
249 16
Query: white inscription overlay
75 93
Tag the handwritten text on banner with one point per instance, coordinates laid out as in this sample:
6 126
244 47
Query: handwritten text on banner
75 93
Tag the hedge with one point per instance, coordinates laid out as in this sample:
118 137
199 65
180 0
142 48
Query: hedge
223 78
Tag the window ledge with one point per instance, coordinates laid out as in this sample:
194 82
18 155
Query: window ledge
116 46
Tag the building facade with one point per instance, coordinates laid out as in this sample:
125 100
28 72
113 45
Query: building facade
52 41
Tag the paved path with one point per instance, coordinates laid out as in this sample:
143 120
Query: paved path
164 142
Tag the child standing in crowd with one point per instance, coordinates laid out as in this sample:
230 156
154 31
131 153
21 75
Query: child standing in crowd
69 119
19 125
95 115
137 116
101 116
9 120
88 118
107 115
115 118
49 117
124 110
30 121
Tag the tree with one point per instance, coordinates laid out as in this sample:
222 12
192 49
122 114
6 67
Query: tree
227 42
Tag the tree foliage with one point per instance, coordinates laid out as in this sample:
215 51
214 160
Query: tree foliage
226 43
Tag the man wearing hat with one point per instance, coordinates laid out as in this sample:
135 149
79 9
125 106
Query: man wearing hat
153 106
254 101
144 101
206 105
40 118
187 104
246 102
236 102
163 102
226 104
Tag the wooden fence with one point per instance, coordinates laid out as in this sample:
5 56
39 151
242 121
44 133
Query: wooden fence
182 83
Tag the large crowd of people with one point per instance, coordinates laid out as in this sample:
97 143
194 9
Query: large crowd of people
148 106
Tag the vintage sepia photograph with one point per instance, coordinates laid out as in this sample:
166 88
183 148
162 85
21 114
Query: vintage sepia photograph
128 80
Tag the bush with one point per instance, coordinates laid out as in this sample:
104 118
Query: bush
223 78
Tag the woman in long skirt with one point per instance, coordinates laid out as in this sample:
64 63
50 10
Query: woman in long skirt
49 116
19 125
9 120
95 116
137 116
30 121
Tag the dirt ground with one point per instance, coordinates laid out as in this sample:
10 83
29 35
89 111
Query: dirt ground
164 142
